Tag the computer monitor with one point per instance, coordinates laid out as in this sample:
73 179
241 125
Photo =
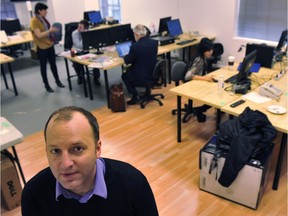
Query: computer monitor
174 27
163 24
265 54
282 40
121 33
244 71
95 17
10 26
96 39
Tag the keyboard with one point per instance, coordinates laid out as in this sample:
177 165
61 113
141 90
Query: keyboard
185 42
231 79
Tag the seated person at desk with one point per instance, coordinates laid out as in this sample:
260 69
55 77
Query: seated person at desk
198 70
143 57
78 46
78 180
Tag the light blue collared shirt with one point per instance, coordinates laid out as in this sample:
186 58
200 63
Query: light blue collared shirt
99 189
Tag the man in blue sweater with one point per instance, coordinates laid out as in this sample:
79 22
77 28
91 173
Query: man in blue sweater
78 180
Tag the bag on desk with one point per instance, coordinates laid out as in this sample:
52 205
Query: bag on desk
116 99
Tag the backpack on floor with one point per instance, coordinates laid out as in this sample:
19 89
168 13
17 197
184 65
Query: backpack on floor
116 99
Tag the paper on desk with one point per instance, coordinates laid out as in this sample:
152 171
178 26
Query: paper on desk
65 53
86 56
255 97
100 62
15 37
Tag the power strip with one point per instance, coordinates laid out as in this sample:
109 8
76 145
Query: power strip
279 75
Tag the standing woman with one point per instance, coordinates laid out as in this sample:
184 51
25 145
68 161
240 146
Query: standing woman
42 33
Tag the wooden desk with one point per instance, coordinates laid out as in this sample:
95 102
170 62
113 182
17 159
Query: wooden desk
167 49
280 122
4 59
22 37
162 50
207 92
10 137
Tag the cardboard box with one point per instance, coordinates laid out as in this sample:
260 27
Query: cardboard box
11 189
249 186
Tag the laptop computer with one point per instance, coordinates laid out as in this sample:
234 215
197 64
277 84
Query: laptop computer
123 48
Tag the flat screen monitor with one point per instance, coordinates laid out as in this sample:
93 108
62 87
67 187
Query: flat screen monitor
244 71
174 27
10 26
265 54
96 39
163 24
95 17
121 33
282 40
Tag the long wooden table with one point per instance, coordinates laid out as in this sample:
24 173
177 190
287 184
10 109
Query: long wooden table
207 93
4 59
162 50
21 38
280 122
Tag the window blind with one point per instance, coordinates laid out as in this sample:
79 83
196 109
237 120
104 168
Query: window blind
262 19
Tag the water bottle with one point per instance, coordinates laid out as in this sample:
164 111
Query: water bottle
220 85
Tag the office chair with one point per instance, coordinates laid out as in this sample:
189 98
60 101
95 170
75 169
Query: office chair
218 50
159 73
178 72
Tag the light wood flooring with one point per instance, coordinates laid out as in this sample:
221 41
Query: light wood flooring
146 138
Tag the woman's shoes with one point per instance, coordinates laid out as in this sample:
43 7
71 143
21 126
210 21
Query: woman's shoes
49 89
199 114
59 84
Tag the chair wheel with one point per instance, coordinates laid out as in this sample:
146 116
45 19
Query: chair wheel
162 96
142 106
161 104
173 112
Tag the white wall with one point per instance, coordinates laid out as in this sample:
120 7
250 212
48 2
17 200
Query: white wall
206 16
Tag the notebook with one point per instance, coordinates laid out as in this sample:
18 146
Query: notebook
123 48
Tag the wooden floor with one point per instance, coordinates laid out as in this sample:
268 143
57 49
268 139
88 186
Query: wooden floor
146 138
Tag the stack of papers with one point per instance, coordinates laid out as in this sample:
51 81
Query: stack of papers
101 61
86 56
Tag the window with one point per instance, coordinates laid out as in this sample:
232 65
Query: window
8 10
110 8
262 19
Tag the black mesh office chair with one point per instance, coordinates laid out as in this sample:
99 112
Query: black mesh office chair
159 75
178 72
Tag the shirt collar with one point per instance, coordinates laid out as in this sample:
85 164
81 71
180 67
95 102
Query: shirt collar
99 189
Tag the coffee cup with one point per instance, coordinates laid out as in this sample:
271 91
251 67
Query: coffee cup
231 60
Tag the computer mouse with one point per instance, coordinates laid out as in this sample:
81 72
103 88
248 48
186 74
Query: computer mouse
214 80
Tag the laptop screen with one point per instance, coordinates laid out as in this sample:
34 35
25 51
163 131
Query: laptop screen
123 48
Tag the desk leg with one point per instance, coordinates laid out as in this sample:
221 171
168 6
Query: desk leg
18 163
12 78
89 83
280 161
68 74
168 56
4 76
178 118
218 118
107 88
15 159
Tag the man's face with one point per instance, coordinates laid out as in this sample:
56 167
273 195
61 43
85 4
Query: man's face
72 152
81 27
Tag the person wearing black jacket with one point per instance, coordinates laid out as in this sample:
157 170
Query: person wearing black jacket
251 132
78 180
143 57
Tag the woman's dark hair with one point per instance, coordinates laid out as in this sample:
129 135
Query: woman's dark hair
66 114
40 6
205 45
